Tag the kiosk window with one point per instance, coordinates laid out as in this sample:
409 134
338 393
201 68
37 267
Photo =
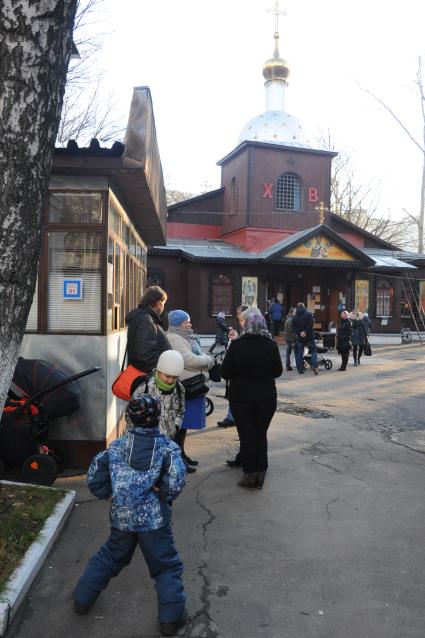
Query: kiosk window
75 208
74 257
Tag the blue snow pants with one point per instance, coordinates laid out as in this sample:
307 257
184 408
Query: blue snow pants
163 561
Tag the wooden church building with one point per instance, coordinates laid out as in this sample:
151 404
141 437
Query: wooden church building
267 233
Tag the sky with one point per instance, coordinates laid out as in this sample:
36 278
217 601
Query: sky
203 64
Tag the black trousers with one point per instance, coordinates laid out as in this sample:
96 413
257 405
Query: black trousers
252 422
358 351
276 328
344 359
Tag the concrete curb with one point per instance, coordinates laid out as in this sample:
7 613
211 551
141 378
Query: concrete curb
23 576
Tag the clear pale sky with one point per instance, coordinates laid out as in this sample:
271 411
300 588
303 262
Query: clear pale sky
203 63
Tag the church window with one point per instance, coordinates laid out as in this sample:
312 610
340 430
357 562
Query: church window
384 298
221 294
288 192
234 196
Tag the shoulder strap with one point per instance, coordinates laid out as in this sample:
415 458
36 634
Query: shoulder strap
125 354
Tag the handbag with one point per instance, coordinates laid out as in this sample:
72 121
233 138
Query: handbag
195 387
367 349
122 386
215 372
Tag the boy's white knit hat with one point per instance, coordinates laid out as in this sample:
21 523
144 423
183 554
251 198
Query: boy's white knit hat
171 362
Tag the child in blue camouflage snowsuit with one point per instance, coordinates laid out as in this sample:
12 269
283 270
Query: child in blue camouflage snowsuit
142 472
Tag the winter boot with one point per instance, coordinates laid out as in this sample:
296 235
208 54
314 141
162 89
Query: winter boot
187 460
171 628
259 480
81 608
249 481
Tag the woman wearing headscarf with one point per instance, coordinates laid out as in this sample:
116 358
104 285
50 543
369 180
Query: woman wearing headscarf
343 336
359 335
251 365
182 338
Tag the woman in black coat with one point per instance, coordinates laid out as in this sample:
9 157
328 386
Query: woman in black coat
146 338
251 365
343 336
359 336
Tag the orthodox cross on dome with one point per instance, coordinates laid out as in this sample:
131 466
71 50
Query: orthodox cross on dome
321 208
276 13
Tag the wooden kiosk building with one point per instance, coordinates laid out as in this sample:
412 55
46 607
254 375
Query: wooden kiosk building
106 207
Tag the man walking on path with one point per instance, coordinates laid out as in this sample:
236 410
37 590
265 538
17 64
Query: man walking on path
289 338
302 325
276 311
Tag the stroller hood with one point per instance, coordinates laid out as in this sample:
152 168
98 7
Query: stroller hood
35 375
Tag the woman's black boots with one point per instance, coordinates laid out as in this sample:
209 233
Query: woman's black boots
188 462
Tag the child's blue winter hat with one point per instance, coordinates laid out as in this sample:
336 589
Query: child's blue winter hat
176 317
144 411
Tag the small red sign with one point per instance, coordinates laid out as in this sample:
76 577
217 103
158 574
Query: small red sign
313 194
267 190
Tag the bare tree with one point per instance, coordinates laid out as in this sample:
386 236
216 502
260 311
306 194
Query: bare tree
174 197
417 219
86 113
35 46
358 202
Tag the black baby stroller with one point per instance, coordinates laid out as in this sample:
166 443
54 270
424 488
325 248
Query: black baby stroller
321 361
40 393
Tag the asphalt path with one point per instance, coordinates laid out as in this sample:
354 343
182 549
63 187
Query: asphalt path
332 547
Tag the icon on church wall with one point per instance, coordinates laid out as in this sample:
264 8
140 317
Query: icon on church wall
361 296
319 247
249 291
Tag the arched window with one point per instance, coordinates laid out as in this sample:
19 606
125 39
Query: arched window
234 196
384 298
221 294
288 192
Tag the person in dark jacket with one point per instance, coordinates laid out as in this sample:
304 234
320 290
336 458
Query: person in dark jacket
343 336
367 323
302 325
359 335
146 338
289 338
141 472
251 365
276 312
221 332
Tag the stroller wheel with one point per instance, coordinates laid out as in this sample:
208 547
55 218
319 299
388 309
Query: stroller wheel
2 469
209 406
40 469
60 454
328 364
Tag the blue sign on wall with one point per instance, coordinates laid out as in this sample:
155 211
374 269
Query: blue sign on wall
73 289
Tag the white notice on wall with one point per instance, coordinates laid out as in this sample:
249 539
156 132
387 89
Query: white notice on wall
110 283
316 288
384 321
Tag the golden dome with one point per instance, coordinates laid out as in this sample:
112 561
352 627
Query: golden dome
275 69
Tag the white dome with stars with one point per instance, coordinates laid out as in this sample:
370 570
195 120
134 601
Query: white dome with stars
277 127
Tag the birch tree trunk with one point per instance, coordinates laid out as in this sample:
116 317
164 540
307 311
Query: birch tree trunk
35 45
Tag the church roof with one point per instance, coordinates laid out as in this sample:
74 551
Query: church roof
277 127
315 246
281 250
248 143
